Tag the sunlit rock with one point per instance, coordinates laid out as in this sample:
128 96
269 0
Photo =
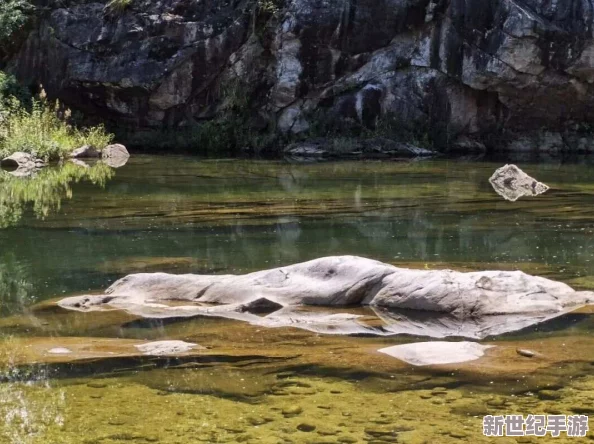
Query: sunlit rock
474 304
22 164
436 352
166 348
511 183
59 351
115 155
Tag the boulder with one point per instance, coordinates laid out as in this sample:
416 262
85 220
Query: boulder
477 303
511 183
115 155
436 352
85 152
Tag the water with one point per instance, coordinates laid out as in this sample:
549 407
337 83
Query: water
72 230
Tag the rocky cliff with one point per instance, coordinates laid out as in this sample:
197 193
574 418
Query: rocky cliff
462 70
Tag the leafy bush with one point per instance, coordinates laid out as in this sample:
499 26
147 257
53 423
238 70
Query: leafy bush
44 130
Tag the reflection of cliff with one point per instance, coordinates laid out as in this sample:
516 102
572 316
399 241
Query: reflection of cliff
45 190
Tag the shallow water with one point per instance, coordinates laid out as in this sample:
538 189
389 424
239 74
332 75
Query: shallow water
73 230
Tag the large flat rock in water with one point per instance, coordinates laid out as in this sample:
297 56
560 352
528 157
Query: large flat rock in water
436 352
480 300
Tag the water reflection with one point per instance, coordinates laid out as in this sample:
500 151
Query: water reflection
45 190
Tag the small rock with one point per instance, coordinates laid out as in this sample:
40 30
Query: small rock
258 420
305 427
527 353
290 411
549 395
382 433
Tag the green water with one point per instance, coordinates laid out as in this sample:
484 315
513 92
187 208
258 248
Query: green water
73 229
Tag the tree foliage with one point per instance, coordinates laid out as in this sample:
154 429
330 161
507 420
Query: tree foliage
13 17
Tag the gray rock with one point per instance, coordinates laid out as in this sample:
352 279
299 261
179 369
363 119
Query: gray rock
511 183
436 352
115 155
22 164
21 160
473 304
85 152
165 348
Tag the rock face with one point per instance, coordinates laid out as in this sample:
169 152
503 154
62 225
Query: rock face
511 183
468 68
471 298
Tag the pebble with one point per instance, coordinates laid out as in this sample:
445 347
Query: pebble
305 427
293 410
549 394
527 353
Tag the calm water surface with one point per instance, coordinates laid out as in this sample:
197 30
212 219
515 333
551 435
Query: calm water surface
72 230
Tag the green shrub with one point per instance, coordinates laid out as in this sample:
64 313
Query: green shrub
45 130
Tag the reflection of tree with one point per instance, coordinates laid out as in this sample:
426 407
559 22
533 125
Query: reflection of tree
45 190
15 285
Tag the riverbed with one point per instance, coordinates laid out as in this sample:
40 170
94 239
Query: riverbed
74 230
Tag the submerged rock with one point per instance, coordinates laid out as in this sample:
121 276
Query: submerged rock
488 302
165 348
436 352
60 351
511 183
